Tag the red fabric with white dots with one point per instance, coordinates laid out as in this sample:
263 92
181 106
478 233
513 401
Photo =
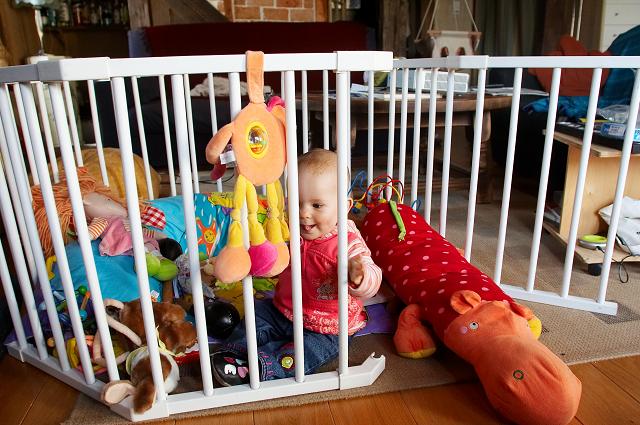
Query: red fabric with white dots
425 268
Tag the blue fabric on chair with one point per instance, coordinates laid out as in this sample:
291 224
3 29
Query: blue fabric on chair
617 89
573 106
620 81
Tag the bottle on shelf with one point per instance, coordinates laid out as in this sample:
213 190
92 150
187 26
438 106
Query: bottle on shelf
116 13
76 13
52 16
86 13
124 13
64 14
107 14
94 16
44 17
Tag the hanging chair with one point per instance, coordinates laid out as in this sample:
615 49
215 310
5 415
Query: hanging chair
441 43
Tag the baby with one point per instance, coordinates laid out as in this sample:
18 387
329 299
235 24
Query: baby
319 256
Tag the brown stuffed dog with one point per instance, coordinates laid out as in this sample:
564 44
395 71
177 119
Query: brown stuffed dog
175 336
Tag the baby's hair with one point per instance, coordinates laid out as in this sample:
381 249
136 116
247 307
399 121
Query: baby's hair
318 161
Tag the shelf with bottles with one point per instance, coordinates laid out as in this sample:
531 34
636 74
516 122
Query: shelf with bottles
86 15
79 28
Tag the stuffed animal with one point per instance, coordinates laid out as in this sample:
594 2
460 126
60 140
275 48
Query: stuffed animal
522 378
257 137
107 219
113 164
175 336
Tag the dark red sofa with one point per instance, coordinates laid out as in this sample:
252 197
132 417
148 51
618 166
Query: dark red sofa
221 39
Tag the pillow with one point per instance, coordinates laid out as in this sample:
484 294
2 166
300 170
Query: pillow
573 81
114 171
212 222
173 211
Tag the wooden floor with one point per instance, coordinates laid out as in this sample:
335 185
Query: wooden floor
611 396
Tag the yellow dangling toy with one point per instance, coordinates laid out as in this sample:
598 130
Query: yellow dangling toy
257 138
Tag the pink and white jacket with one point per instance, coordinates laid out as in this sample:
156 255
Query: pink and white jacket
319 264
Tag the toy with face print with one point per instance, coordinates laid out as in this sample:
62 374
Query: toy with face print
257 137
523 380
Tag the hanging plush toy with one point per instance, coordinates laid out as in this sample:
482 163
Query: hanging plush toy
257 136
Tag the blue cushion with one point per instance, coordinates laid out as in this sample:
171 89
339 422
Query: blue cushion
172 208
212 222
116 275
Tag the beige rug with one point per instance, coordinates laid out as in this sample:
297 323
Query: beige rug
575 336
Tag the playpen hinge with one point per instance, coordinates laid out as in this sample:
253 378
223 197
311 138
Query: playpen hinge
74 69
15 351
356 61
159 410
364 374
467 62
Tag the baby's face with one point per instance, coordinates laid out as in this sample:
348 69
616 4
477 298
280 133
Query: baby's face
318 203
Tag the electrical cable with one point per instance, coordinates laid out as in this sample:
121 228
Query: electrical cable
623 274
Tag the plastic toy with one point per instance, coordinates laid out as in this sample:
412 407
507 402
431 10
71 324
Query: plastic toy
83 305
82 296
72 352
222 318
49 264
257 136
523 380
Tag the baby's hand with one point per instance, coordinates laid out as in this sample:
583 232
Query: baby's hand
356 271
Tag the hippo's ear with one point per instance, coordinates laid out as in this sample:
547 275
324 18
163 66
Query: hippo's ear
521 310
463 301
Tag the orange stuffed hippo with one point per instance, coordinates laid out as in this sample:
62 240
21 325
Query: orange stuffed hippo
523 380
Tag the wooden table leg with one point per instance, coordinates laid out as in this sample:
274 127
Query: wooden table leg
353 131
485 172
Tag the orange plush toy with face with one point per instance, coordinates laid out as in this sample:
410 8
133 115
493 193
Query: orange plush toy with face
523 380
257 136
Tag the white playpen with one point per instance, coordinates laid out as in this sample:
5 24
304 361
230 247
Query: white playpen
26 140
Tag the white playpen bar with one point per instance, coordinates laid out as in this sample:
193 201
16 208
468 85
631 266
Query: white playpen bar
25 91
17 205
57 76
482 64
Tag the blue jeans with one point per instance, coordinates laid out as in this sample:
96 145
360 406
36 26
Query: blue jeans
274 333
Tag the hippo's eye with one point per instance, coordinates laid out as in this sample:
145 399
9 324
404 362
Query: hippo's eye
473 326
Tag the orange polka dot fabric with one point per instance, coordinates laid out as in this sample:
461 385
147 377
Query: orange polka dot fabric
424 268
